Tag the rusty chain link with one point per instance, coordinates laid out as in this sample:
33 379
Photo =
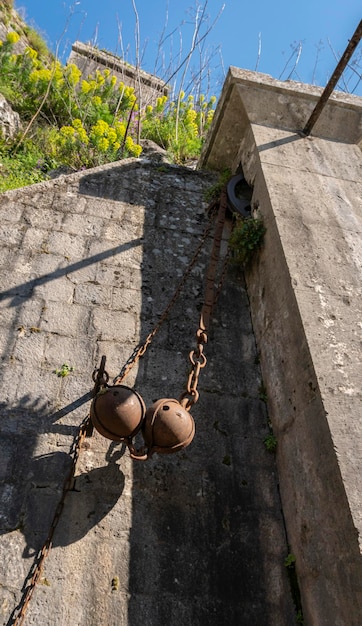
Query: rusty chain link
100 378
140 350
196 357
36 569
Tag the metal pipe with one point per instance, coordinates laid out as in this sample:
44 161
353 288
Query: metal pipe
353 43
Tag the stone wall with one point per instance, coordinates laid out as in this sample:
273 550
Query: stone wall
88 264
89 59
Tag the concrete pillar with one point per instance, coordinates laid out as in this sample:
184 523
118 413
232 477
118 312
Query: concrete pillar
305 295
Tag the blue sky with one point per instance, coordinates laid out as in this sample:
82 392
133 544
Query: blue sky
313 32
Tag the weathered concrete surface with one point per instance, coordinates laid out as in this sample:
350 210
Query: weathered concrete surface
305 296
249 97
89 262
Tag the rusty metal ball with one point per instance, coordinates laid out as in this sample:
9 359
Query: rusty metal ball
117 412
167 427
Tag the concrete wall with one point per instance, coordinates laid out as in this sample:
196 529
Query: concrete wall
305 297
88 263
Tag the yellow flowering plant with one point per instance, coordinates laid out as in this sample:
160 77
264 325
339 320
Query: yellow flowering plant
192 120
83 121
12 37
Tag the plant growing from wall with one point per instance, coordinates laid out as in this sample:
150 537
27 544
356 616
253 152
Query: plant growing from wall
213 192
246 238
290 562
270 442
64 370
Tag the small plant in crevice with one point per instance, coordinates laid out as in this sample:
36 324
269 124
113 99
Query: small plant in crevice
215 190
290 562
246 238
270 442
63 371
262 393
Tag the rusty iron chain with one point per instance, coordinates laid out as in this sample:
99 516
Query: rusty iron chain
37 567
197 357
224 268
141 348
100 378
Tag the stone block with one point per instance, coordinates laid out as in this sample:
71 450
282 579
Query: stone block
68 202
11 234
55 290
126 300
89 294
43 218
75 351
87 225
70 246
29 349
114 325
65 319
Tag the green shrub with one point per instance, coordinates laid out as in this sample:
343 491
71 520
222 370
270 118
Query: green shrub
246 238
37 42
85 122
180 132
270 442
25 168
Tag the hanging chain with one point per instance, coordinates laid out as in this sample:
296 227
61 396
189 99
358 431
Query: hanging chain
197 358
37 567
222 275
100 378
140 350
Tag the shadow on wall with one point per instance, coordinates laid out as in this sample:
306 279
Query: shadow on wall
30 483
33 497
25 290
30 486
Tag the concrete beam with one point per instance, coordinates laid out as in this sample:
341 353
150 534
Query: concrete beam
249 97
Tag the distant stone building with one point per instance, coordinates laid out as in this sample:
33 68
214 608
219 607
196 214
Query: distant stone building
89 59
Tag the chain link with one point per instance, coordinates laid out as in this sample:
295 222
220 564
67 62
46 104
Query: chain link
196 357
35 572
140 350
198 361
